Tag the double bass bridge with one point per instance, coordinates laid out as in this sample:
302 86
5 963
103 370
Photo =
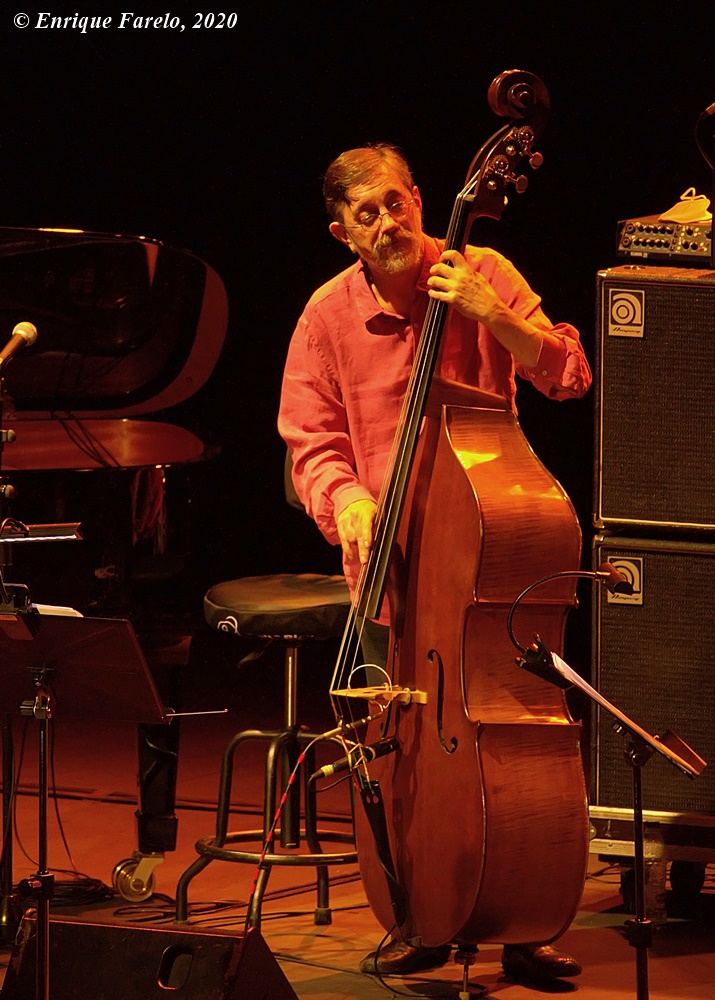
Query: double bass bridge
385 694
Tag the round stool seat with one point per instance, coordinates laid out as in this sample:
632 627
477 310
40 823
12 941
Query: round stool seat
281 606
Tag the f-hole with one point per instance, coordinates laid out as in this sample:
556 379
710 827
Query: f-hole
453 743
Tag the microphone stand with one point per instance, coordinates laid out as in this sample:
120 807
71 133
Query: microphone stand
10 903
640 747
41 885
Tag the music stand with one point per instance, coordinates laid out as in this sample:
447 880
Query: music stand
14 597
640 747
80 667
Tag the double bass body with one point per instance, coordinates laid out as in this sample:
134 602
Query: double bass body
485 801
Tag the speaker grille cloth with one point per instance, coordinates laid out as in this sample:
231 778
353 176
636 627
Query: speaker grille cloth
657 412
657 664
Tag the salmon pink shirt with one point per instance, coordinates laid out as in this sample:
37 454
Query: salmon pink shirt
348 366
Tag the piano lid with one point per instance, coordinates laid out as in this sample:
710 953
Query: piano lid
87 443
127 326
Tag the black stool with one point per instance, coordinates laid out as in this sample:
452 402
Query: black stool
291 610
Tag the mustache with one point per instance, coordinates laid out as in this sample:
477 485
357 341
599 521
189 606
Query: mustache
396 252
399 240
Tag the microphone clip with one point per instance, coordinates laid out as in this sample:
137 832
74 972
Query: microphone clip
537 660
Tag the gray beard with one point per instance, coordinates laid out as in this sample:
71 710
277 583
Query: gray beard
394 259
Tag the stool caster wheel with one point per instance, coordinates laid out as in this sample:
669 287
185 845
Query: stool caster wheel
134 879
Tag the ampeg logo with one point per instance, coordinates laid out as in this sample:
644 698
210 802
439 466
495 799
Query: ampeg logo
632 569
625 312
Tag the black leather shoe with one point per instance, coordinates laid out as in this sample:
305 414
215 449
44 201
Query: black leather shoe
534 963
400 959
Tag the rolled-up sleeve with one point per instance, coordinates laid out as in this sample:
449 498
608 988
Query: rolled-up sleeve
562 371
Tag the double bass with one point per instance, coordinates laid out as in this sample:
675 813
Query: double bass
475 822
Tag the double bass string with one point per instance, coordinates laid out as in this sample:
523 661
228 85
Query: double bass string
371 576
371 579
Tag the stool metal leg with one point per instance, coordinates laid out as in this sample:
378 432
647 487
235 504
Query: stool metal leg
281 758
290 817
291 686
322 914
223 807
283 750
283 746
253 919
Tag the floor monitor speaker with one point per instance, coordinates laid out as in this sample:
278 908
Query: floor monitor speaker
118 961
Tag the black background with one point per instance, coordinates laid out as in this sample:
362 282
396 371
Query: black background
216 140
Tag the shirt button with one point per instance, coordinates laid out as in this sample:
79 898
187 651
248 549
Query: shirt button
544 373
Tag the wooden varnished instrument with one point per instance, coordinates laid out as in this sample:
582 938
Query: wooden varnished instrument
476 828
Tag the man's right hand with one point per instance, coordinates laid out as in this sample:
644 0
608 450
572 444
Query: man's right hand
354 524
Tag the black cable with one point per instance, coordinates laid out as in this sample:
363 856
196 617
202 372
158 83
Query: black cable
79 890
86 442
706 115
55 800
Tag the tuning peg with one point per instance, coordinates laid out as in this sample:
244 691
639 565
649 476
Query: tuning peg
521 183
535 161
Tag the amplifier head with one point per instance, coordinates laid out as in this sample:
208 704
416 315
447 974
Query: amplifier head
677 243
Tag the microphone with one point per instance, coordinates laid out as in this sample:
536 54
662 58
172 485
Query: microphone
360 755
615 581
345 727
23 335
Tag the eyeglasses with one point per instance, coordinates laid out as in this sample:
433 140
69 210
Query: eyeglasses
398 211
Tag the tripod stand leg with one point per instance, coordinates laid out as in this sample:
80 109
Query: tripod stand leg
639 931
10 905
41 885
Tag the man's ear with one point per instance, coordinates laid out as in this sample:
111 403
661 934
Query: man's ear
341 234
416 196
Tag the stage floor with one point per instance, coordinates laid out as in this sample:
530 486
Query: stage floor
92 827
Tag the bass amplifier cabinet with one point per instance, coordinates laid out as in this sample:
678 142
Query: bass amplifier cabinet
653 659
655 416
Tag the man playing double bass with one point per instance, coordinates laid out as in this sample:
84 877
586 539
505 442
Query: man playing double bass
346 374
